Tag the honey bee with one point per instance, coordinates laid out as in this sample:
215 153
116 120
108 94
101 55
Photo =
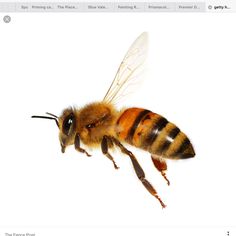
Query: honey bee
102 124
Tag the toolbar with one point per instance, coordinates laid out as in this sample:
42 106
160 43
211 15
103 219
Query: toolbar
198 6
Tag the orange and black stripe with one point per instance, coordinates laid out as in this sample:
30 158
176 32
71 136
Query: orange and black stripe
136 123
152 132
158 125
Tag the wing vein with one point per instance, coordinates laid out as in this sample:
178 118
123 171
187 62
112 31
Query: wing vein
127 72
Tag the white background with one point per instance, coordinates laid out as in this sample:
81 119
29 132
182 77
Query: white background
51 61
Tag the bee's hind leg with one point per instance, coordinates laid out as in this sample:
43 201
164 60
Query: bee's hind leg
139 171
161 166
77 145
106 142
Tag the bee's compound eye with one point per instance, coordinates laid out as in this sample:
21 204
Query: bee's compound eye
67 124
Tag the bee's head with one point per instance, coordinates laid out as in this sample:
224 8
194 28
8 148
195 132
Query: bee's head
66 124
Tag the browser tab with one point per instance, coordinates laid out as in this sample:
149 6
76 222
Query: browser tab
7 7
129 7
160 6
221 6
41 7
67 7
190 7
22 7
98 7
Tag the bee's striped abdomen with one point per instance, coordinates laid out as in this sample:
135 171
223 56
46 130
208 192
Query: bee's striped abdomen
152 132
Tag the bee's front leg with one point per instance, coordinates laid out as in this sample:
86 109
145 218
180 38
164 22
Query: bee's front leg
104 146
77 145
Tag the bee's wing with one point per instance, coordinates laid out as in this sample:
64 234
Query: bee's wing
129 69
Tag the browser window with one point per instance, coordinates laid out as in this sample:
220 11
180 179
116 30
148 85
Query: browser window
117 118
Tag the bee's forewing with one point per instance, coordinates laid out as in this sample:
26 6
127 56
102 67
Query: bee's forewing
129 69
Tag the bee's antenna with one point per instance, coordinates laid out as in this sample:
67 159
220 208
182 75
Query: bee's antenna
48 117
51 114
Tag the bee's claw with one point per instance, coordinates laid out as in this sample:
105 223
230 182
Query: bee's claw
88 155
116 167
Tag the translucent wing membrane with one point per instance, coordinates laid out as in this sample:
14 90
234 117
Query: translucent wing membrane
129 70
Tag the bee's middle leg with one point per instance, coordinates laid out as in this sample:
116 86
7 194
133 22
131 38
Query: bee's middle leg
105 145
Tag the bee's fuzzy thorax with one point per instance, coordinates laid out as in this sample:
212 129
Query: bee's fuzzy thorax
93 121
